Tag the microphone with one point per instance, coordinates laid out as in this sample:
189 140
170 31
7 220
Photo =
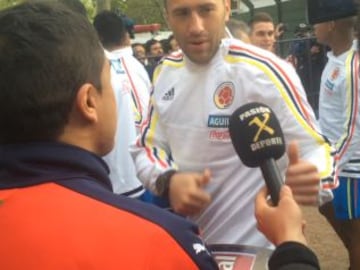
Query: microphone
258 140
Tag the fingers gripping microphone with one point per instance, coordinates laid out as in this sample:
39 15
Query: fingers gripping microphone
258 140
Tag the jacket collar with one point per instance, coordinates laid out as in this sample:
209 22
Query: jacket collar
23 165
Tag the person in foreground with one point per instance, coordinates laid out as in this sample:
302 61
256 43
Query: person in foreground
58 113
185 153
58 116
284 226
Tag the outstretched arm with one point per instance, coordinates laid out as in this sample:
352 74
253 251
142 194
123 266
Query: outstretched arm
282 223
284 226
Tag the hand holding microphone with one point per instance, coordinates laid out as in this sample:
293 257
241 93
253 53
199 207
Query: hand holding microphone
258 140
282 223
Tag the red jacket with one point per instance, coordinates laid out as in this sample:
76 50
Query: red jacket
58 213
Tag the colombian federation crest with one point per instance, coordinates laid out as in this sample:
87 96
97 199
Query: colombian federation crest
224 95
335 74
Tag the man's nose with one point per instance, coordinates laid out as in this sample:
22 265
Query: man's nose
196 24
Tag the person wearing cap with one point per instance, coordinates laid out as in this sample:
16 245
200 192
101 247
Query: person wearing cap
132 90
339 119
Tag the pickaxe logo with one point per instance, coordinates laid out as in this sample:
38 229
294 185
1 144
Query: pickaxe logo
262 125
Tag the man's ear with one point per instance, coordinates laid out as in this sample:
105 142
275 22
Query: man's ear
86 102
227 10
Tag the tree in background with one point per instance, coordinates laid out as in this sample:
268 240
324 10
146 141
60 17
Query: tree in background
8 3
146 11
103 5
141 11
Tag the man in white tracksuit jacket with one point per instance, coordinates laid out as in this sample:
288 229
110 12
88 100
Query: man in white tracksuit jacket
185 147
339 106
132 89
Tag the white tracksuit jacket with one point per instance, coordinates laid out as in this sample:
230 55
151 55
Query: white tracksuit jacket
339 107
132 88
188 130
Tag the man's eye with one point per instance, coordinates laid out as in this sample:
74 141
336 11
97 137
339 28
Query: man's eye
181 13
205 10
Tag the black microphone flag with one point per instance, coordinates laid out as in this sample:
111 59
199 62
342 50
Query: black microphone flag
258 140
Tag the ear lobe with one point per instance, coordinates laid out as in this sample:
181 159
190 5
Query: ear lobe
86 102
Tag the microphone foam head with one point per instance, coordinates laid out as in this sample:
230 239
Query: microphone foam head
256 134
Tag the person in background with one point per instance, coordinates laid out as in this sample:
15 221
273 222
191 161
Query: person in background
339 106
262 31
280 29
132 89
309 59
140 53
165 46
239 30
154 52
173 44
185 153
154 49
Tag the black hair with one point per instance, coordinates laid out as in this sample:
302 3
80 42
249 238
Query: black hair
137 44
165 44
110 28
170 38
150 43
47 52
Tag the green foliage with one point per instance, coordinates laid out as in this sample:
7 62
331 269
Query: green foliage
90 8
9 3
141 11
146 11
120 5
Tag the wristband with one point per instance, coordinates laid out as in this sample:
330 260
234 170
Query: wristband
162 183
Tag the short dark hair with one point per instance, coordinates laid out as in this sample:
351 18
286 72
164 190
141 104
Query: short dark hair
260 17
171 37
110 28
137 44
165 44
47 52
150 43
